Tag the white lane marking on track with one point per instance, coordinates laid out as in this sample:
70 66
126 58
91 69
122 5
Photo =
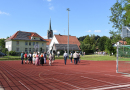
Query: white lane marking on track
119 86
7 71
5 76
24 86
66 83
100 80
1 88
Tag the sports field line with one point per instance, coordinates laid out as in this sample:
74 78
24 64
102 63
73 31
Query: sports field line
5 76
24 86
99 80
119 86
1 88
7 71
66 83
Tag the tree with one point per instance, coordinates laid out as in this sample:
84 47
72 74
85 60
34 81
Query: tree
2 43
117 15
115 37
87 40
81 38
4 50
127 40
102 43
127 13
120 17
109 46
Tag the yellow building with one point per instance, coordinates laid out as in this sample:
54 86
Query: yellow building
26 42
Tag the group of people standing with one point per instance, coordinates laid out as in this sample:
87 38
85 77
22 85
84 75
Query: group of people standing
76 57
36 58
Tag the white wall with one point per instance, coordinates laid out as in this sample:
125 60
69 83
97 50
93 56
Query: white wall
54 40
8 45
12 45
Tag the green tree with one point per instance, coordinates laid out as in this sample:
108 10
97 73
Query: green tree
127 13
117 15
12 53
92 39
87 40
2 43
5 50
81 38
127 40
109 46
94 47
102 43
115 37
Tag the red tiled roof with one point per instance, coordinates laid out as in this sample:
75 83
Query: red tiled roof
13 36
49 40
123 42
29 37
63 39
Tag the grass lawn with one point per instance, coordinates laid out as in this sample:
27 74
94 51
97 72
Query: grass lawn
102 58
86 57
10 58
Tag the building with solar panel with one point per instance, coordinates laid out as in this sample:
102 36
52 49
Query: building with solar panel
26 42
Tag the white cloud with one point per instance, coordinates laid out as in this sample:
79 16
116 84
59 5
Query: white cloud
45 37
51 8
56 32
88 31
97 31
49 0
4 13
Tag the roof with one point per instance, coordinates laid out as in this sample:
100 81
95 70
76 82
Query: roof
21 35
63 39
48 41
64 47
123 42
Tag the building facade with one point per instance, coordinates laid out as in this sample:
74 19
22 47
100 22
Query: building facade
26 42
59 42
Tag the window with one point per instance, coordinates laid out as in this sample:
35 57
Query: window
33 49
36 49
30 43
42 44
26 43
26 49
33 43
29 49
17 49
17 42
36 43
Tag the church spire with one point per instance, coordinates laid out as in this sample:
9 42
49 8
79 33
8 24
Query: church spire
50 25
50 31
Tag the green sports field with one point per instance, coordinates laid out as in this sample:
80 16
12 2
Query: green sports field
86 57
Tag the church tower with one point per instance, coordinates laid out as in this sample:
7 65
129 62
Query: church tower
50 32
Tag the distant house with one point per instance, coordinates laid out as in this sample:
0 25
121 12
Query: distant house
59 42
120 43
26 42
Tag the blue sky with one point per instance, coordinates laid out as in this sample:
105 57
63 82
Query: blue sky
85 17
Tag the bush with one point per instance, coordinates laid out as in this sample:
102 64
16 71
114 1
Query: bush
5 50
88 52
12 53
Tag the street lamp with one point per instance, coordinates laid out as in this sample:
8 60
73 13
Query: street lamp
68 33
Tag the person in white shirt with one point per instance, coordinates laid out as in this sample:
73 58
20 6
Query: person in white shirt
34 57
65 57
75 56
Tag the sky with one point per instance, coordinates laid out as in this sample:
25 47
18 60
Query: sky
86 17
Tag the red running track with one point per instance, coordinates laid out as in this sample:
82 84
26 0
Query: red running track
87 75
